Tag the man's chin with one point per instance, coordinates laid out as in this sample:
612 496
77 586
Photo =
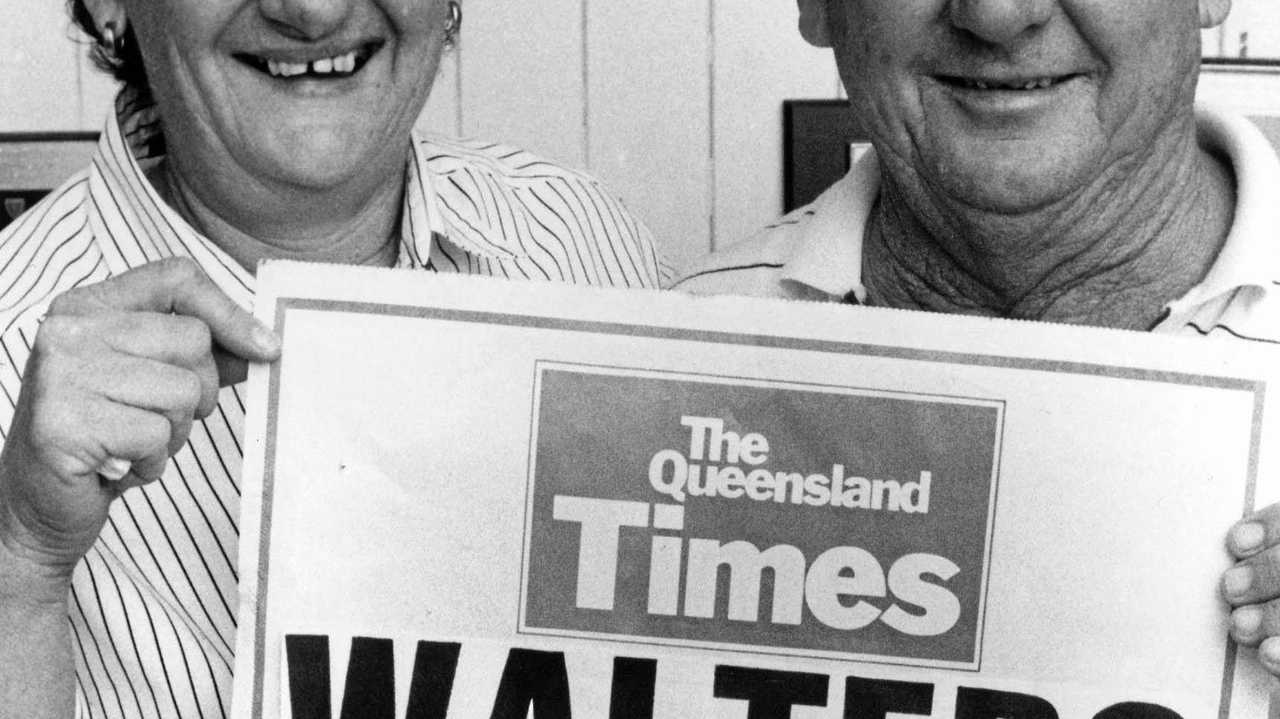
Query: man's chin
1008 185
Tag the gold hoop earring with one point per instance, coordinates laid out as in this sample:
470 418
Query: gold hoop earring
454 25
112 39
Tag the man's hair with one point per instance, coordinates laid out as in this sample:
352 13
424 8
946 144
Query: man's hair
125 66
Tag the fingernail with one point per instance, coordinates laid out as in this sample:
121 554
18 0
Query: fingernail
1237 580
114 468
266 339
1248 536
1270 652
1246 620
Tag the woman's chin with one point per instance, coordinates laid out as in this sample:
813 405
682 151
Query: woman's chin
322 161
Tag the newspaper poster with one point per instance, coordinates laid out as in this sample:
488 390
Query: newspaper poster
479 499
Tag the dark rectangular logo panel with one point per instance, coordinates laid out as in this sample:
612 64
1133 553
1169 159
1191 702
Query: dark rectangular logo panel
798 519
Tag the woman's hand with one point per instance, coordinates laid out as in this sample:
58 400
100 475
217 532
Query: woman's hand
119 370
1252 586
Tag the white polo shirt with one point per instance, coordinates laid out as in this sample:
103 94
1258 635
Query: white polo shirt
815 253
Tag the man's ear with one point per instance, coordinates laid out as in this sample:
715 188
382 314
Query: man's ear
815 29
1213 12
107 11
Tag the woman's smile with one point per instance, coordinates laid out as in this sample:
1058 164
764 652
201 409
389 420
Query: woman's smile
317 64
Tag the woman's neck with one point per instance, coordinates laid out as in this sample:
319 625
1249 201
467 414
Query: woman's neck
1112 256
303 231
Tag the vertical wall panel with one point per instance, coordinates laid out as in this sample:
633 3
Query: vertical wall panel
1249 93
97 93
442 113
522 75
760 60
1252 29
648 125
38 69
1213 42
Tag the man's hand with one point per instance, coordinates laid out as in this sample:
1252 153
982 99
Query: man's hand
118 371
1252 586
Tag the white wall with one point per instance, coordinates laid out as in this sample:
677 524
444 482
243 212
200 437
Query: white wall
677 106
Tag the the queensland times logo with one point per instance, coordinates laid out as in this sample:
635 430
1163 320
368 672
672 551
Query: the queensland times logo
769 517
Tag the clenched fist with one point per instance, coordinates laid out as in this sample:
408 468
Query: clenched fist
118 373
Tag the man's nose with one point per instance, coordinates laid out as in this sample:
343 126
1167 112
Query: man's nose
1000 22
306 19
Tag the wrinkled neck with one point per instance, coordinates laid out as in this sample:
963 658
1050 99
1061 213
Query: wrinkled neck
307 228
1113 254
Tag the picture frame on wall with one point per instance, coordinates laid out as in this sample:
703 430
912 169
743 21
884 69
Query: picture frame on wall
34 163
819 145
1249 39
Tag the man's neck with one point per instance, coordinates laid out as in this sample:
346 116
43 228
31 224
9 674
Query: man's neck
1113 255
310 231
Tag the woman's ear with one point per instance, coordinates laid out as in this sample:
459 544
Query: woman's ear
1213 12
815 29
107 11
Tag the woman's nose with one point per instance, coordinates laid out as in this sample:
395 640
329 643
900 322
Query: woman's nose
1000 22
306 19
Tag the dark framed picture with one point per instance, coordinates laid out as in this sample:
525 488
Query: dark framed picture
1249 40
32 164
819 145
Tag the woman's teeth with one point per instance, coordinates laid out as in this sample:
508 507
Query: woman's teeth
340 65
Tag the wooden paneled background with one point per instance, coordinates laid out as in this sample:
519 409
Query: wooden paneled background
676 105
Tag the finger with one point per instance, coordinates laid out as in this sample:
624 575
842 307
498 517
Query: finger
1253 580
1269 654
1252 623
177 285
173 339
142 473
171 391
1255 532
137 436
114 469
106 430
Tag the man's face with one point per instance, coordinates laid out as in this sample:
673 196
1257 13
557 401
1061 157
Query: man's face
1009 105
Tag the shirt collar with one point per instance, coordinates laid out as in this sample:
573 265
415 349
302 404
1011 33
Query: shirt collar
829 251
1250 255
829 254
133 224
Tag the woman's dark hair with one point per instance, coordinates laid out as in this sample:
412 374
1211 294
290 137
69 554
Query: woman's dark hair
127 65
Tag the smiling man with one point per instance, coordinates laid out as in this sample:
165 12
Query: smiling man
1044 160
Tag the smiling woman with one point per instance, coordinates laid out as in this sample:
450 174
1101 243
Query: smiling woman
246 130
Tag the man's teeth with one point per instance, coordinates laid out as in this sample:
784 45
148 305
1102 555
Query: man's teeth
1039 84
343 64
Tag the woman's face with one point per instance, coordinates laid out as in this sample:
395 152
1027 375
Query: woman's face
304 94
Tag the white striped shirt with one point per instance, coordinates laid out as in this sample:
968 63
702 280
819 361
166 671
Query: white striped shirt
815 252
153 604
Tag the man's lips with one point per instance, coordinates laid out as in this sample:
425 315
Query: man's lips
319 63
1008 84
